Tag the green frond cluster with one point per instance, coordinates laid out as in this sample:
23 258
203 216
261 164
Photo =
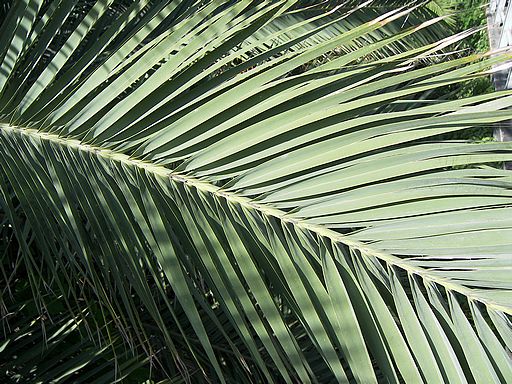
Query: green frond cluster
202 190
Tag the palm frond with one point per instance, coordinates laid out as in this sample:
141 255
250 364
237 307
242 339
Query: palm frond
263 224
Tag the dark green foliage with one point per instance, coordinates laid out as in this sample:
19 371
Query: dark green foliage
468 14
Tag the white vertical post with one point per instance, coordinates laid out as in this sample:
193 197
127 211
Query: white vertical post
499 27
